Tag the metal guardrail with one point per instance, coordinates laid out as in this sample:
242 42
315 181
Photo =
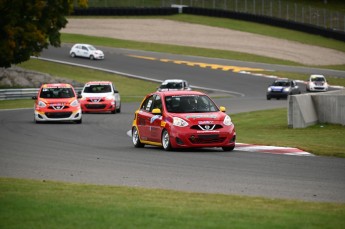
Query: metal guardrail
22 93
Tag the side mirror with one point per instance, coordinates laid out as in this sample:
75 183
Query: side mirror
79 92
116 91
34 97
79 96
156 111
222 109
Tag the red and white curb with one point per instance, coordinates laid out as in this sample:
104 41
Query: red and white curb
271 149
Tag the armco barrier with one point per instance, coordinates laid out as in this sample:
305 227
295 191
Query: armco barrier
308 109
22 93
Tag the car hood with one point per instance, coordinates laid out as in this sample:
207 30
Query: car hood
201 117
58 101
96 95
97 51
278 88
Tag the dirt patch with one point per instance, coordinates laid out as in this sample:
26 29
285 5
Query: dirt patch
171 32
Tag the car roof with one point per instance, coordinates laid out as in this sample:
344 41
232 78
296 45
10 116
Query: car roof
173 80
316 76
172 93
98 82
56 85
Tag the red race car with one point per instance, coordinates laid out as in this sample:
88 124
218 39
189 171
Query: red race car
57 102
182 119
100 96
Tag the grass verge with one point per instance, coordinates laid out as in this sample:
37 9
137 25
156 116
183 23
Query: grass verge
320 139
46 204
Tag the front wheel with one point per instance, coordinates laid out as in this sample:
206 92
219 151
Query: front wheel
73 54
135 138
92 57
228 148
166 141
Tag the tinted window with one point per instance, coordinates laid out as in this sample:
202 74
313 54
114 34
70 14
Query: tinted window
105 88
189 104
56 93
147 104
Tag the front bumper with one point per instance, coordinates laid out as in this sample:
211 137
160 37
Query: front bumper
52 116
199 139
104 106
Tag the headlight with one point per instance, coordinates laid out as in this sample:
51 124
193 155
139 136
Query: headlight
269 89
179 122
75 103
41 104
286 89
227 121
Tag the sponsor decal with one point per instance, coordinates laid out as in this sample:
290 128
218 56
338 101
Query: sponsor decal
155 117
205 122
195 116
207 131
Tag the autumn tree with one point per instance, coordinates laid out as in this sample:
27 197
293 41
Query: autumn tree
29 26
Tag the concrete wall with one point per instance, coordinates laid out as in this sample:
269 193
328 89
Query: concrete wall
308 109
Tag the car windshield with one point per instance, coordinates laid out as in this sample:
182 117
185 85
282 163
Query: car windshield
56 93
318 79
281 83
102 88
90 47
171 85
189 104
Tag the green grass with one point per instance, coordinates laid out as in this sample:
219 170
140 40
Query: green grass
46 204
320 139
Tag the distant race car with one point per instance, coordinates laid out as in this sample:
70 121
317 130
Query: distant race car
173 85
182 119
87 51
282 88
317 83
100 96
57 102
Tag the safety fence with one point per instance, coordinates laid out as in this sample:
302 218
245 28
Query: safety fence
281 9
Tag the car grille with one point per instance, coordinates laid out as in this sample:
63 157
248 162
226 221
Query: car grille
206 127
206 139
95 106
95 100
58 114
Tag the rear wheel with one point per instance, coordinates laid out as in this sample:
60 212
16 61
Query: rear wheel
135 138
166 141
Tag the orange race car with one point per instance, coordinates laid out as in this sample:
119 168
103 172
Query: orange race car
57 102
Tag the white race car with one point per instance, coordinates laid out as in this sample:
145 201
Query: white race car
86 50
317 83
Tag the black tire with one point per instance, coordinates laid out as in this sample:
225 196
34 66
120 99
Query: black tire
166 141
92 57
73 55
268 97
228 148
114 111
119 109
136 139
79 121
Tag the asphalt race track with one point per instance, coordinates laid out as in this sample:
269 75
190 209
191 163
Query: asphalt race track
99 151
